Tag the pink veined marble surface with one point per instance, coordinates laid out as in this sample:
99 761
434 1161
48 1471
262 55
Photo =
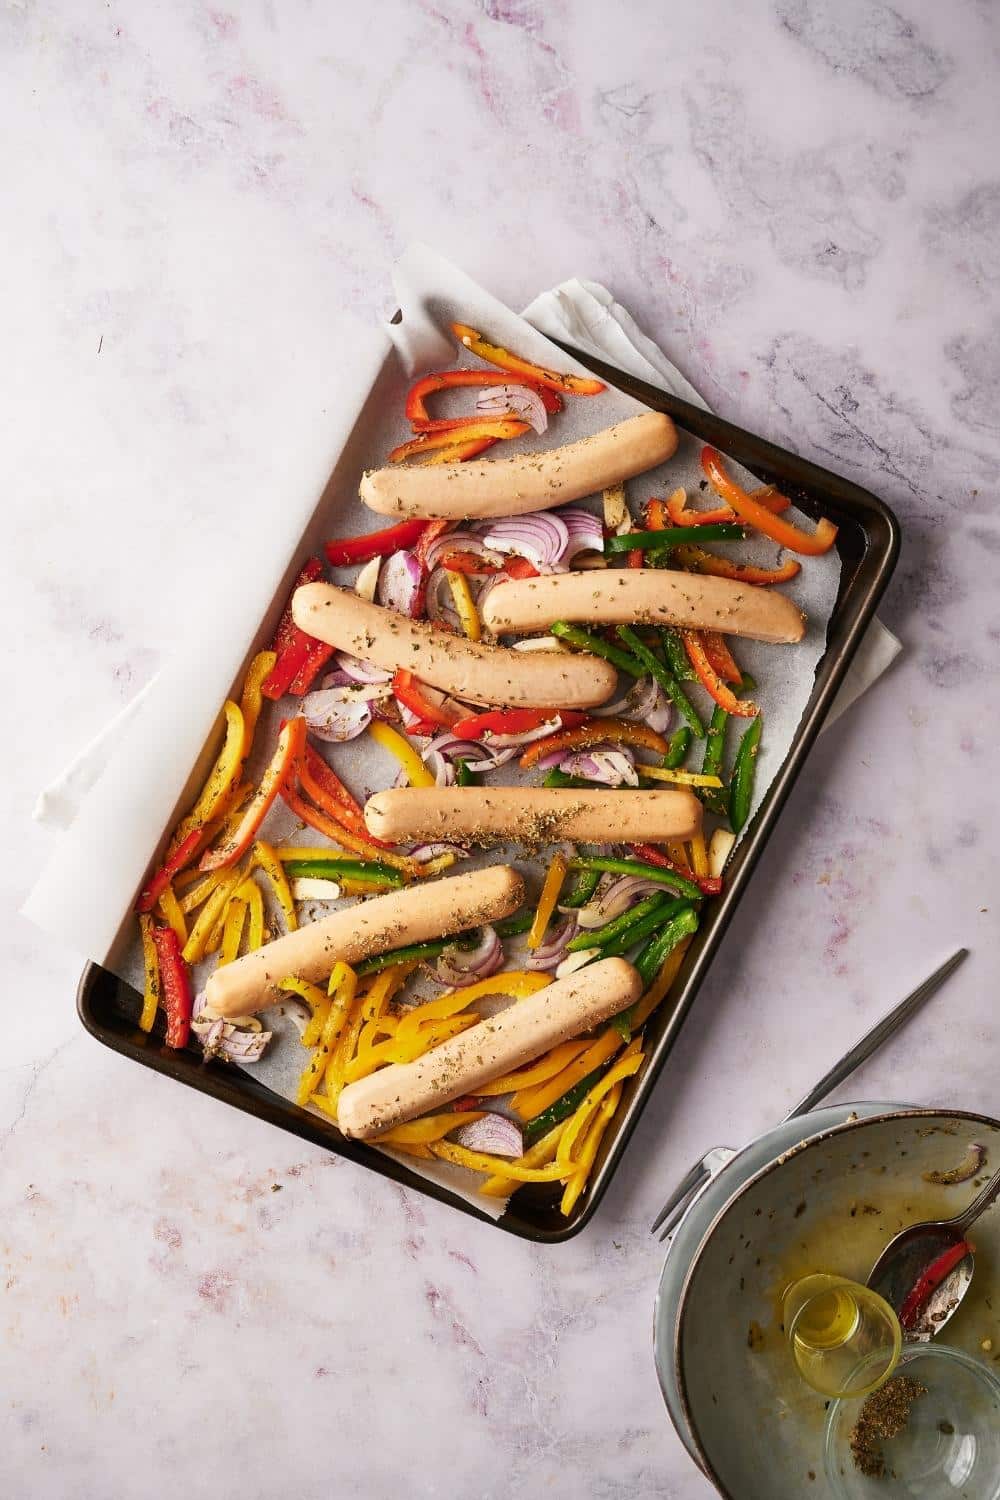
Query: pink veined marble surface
801 201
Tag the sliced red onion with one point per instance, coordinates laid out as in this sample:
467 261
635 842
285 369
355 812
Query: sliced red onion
538 535
334 679
505 741
524 403
440 607
586 534
423 853
478 757
410 721
400 583
494 1133
552 952
340 713
608 767
442 768
220 1038
456 541
358 670
644 703
618 897
457 966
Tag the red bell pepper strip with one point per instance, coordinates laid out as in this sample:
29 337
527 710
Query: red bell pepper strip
416 400
317 656
568 385
594 732
175 986
447 435
407 690
181 857
813 544
432 530
468 562
291 742
636 558
711 681
700 561
290 643
720 658
709 885
329 792
514 721
361 549
929 1281
520 567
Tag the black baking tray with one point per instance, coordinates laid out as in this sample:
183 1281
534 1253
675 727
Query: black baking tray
868 544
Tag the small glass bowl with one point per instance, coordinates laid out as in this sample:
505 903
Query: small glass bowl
950 1448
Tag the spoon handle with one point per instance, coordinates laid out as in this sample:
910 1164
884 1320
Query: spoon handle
979 1204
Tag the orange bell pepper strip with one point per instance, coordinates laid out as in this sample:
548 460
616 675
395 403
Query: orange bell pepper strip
407 689
327 790
767 496
458 453
552 885
496 429
752 511
252 698
338 834
291 743
595 732
416 400
181 857
552 380
711 681
720 657
700 561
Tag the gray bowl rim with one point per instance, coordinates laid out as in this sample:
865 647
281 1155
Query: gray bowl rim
703 1460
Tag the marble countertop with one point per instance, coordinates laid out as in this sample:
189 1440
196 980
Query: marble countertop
801 202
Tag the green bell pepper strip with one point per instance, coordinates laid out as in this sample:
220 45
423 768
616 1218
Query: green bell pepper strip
659 947
677 882
667 680
741 784
677 748
343 869
583 890
563 1107
716 798
675 655
512 926
641 541
555 777
646 927
416 951
601 935
463 776
583 639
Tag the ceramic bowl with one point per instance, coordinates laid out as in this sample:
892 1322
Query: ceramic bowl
827 1204
700 1213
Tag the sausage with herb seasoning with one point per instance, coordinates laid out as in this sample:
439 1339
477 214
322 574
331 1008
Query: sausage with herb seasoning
532 814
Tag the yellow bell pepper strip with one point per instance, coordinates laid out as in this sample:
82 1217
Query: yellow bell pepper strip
630 1063
252 697
534 1101
539 1155
221 779
388 984
171 913
588 1150
175 986
344 1052
200 892
660 986
681 778
315 998
329 1109
182 856
390 739
232 930
710 680
515 982
458 434
372 1032
249 892
464 604
200 935
478 1161
265 857
291 743
404 1049
699 856
424 1152
342 989
594 732
541 1071
697 560
151 969
555 876
552 380
430 1128
748 509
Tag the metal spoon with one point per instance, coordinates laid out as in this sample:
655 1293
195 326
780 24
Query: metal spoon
909 1254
